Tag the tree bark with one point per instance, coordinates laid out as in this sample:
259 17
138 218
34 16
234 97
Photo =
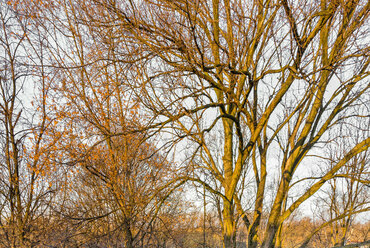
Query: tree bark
228 225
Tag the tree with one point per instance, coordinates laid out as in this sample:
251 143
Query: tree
118 179
25 167
345 196
260 74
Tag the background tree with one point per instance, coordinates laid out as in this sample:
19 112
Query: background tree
25 168
118 178
345 196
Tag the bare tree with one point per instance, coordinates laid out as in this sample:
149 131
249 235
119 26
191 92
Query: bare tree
118 179
260 74
25 167
346 195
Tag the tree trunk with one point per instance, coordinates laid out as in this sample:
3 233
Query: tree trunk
228 225
228 205
270 237
127 234
252 238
